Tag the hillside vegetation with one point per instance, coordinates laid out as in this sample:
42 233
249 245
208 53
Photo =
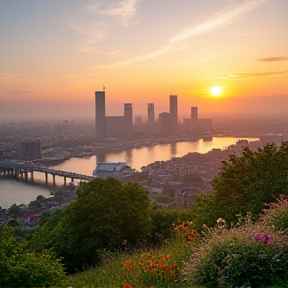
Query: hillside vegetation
235 237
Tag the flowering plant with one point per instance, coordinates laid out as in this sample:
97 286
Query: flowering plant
150 271
185 230
263 237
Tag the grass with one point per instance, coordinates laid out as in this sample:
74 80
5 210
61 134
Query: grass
144 267
191 261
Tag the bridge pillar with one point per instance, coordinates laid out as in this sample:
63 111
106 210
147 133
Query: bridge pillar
31 175
26 175
64 180
46 177
54 182
72 179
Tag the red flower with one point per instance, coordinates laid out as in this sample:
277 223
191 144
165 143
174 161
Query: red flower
126 285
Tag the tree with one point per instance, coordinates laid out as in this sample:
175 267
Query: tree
246 183
105 215
20 267
14 209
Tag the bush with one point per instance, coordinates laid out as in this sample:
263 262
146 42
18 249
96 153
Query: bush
162 220
277 214
21 268
247 255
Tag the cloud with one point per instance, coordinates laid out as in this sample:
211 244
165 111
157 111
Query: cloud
218 20
215 22
272 59
125 10
242 76
256 75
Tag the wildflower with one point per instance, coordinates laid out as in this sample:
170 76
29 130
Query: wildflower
165 257
163 267
126 285
128 264
191 236
263 237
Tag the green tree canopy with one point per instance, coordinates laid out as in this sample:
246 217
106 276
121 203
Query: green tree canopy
245 183
105 214
20 267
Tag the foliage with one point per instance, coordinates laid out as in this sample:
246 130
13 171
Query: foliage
43 237
245 183
277 214
21 268
14 209
128 269
150 271
105 215
204 211
162 220
37 203
165 199
245 255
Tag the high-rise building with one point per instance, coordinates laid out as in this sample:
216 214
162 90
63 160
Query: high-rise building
151 114
100 123
173 113
128 121
30 150
165 124
194 116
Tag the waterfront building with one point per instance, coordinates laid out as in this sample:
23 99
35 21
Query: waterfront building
194 116
112 169
100 121
30 150
151 114
128 121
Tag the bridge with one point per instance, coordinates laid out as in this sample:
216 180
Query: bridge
21 169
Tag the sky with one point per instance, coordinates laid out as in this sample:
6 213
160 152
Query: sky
54 55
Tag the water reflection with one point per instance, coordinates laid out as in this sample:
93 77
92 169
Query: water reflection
173 150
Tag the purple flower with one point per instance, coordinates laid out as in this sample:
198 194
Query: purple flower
263 237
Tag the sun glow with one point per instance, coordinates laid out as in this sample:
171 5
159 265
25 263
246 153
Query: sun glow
216 91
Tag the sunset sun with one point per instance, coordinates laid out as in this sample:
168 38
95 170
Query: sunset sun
216 91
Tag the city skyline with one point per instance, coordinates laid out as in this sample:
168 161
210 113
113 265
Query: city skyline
228 57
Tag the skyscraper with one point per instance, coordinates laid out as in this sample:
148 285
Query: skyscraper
194 116
165 124
151 114
128 121
100 123
173 113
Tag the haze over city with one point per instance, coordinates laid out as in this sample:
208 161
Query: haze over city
55 54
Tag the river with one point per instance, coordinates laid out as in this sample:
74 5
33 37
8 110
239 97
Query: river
17 191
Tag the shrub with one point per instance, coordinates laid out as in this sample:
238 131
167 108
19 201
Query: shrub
277 214
21 268
245 255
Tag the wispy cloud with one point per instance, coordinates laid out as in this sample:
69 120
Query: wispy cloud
256 75
9 77
272 59
215 22
125 10
243 76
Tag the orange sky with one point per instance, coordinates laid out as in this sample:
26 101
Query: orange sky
55 55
